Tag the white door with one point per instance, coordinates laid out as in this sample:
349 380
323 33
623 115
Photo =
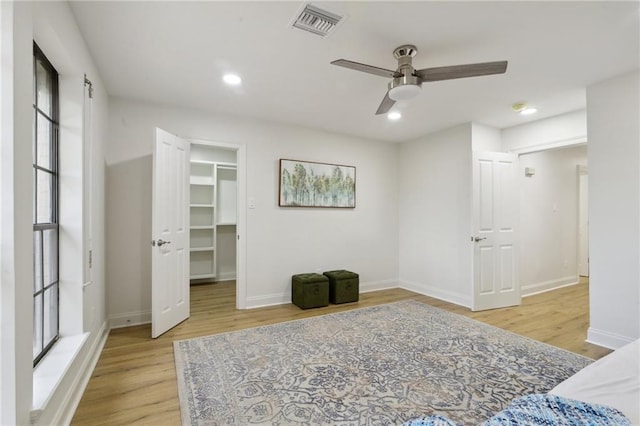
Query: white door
583 221
495 218
170 233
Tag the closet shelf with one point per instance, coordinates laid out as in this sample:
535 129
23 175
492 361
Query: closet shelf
212 198
227 166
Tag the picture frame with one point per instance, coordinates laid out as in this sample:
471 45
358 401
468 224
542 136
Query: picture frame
313 184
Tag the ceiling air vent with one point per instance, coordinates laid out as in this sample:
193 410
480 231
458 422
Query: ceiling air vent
316 20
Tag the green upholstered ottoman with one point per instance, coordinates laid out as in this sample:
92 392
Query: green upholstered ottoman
309 290
344 286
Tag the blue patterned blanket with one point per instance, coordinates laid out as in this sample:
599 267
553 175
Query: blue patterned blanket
542 409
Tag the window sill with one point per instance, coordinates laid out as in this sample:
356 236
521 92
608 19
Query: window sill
53 367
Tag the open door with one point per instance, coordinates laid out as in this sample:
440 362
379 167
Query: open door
170 233
495 218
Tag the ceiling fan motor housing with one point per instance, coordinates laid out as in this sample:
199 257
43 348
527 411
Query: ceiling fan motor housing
405 80
404 85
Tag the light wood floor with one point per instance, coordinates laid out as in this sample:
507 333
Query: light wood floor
135 380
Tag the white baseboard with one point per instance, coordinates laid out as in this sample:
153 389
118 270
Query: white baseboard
68 409
130 318
607 339
285 298
377 285
268 300
437 293
541 287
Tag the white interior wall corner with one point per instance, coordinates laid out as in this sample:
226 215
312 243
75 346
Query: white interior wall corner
486 138
613 108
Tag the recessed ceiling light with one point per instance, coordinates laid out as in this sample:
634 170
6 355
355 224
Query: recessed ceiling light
232 79
528 111
394 116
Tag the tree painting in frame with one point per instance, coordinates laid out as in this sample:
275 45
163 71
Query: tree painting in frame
310 184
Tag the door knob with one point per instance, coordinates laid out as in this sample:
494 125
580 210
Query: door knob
476 239
160 242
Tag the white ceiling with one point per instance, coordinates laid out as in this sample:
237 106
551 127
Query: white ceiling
176 52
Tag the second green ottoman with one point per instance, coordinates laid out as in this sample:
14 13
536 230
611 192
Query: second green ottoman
309 290
344 286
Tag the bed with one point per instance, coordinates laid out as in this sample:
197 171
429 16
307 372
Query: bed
606 392
613 380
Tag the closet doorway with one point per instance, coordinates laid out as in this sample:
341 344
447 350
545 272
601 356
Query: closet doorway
215 179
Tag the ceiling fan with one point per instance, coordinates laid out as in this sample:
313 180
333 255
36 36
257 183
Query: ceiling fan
407 81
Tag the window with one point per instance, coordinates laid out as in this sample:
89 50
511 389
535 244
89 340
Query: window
45 205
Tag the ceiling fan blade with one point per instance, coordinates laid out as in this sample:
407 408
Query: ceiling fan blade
364 68
462 71
385 105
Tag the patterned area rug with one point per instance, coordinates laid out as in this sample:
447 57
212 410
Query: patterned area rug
381 365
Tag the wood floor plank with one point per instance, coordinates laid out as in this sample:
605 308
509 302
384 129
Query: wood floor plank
135 380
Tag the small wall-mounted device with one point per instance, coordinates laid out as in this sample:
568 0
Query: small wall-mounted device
529 171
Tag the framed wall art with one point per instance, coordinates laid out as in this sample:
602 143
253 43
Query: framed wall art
310 184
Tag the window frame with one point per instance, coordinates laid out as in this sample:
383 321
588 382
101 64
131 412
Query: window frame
53 120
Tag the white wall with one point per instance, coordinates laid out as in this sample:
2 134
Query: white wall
280 241
435 214
549 218
15 212
614 210
485 138
53 27
561 130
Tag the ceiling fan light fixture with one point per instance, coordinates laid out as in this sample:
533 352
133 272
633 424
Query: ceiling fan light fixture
394 116
405 92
